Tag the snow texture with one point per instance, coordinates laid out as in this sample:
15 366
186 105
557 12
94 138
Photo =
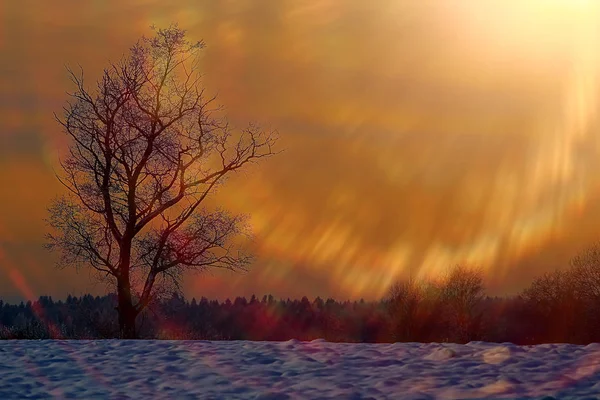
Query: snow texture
295 370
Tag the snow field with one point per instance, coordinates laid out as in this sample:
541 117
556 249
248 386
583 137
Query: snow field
295 370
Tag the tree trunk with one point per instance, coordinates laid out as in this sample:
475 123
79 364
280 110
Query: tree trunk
128 330
127 313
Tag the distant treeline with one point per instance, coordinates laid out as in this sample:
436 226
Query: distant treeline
563 306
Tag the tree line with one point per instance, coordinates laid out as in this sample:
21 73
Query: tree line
561 306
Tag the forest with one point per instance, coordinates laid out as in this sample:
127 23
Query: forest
558 307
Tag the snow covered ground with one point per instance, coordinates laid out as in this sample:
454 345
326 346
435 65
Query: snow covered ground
295 370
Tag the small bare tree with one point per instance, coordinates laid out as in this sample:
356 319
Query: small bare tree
555 308
461 292
147 148
404 299
585 277
549 291
585 273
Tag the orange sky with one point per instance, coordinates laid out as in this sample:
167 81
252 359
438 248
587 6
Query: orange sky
418 134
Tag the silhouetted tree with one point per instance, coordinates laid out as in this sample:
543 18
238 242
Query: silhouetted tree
553 303
404 299
461 293
565 304
146 150
585 269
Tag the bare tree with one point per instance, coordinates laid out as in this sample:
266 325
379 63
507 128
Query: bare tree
461 291
550 290
147 148
585 271
585 277
556 308
404 299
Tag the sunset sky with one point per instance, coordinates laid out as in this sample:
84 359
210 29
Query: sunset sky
417 134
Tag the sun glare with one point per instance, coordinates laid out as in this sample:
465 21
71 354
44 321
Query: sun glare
555 37
531 44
